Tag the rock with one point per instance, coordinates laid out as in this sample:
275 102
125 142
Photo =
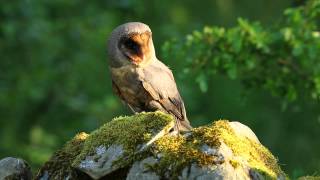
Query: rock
196 172
243 130
140 170
14 169
59 165
141 147
215 151
101 162
118 143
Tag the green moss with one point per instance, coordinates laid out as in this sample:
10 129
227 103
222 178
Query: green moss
130 132
258 157
59 165
234 163
176 151
179 151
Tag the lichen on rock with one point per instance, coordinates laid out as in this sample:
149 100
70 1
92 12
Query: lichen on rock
246 150
216 147
141 147
14 168
124 140
140 170
59 165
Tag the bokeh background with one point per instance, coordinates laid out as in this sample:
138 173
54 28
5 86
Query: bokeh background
54 79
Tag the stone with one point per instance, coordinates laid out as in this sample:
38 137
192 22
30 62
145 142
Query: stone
196 172
59 165
142 147
14 169
222 150
101 162
120 142
243 130
140 170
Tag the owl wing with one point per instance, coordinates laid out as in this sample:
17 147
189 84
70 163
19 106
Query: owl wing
159 83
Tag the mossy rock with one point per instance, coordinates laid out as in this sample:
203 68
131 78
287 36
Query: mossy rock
142 147
126 138
219 150
120 142
59 165
14 168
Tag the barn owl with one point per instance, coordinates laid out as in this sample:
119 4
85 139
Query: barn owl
140 80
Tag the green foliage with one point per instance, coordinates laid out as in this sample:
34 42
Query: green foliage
54 79
53 73
283 58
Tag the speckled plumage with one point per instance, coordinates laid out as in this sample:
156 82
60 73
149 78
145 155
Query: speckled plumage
142 81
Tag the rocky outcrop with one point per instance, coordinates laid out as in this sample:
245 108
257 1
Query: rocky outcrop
142 147
14 169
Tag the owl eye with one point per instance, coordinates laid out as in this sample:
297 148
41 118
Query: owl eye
130 44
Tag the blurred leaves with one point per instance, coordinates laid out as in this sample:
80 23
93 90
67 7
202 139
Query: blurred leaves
54 79
49 53
282 59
